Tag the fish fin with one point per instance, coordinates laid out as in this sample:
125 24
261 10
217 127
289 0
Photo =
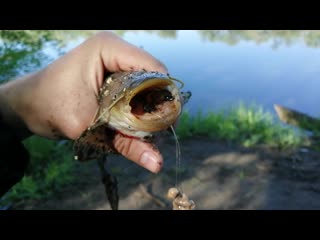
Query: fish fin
94 143
110 184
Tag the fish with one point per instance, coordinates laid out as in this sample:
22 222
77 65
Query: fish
136 104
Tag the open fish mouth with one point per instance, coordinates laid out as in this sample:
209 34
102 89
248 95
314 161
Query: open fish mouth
149 106
154 96
150 100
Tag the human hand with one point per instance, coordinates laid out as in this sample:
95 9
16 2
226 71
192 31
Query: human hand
61 99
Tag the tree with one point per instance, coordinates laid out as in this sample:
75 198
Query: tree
22 51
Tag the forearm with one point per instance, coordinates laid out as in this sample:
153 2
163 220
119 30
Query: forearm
10 103
14 157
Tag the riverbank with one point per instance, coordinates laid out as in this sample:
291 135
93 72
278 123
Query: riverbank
232 155
214 174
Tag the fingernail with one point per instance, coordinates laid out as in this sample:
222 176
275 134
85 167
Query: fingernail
150 162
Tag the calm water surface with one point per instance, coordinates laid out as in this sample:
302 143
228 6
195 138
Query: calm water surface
223 68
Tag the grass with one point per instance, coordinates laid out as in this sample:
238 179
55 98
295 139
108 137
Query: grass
248 126
51 167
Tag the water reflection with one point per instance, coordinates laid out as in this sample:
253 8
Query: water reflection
220 67
160 33
278 37
23 51
232 37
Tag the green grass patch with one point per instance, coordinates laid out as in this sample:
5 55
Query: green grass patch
248 126
52 165
50 169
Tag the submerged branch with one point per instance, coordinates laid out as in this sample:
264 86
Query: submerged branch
298 119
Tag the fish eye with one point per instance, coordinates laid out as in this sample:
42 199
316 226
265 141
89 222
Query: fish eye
168 97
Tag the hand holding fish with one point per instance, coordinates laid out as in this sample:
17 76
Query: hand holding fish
60 101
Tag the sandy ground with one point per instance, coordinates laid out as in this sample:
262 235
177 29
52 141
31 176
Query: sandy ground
215 175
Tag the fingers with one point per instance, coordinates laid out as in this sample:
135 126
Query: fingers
119 55
139 152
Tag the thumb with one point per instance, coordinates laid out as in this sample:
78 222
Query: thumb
142 153
120 55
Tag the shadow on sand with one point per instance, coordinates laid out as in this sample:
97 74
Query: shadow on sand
215 175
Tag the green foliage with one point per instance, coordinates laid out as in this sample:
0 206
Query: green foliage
232 37
161 33
246 125
50 169
22 51
277 37
52 164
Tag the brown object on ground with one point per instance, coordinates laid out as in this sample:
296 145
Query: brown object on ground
145 193
298 119
180 201
217 174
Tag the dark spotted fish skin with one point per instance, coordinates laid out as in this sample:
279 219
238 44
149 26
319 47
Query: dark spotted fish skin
110 184
94 143
97 144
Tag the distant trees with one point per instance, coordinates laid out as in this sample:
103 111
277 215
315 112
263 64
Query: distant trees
22 50
278 37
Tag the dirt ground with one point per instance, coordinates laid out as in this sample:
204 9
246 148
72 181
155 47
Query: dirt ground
215 175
